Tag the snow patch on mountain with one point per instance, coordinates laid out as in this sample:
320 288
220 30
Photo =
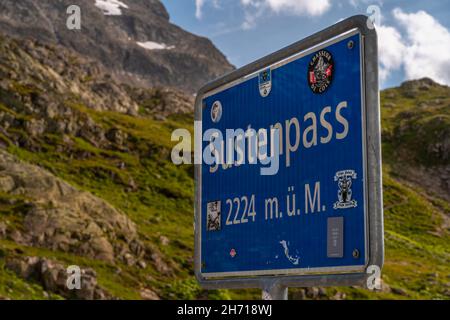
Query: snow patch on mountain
111 7
150 45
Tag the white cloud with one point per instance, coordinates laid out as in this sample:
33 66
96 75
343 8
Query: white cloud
418 44
254 9
198 8
251 15
297 7
427 46
364 3
391 50
199 4
353 3
421 50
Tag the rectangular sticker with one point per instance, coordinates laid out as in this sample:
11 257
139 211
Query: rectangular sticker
214 215
335 237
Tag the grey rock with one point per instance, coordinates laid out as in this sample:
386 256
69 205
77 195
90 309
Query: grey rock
6 184
62 218
385 287
147 294
142 264
399 291
422 84
390 105
35 127
2 230
322 292
300 294
25 268
312 292
159 264
129 259
339 296
53 277
164 240
116 136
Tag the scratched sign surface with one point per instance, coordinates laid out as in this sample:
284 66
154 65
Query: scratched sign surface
307 213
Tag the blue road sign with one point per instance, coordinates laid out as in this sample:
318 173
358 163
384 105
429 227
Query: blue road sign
292 199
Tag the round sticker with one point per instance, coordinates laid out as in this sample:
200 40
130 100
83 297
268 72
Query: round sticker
216 111
320 71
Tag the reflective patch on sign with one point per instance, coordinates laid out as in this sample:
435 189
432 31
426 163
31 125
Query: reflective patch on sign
335 237
293 259
216 111
265 82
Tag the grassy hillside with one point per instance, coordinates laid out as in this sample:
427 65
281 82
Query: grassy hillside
131 170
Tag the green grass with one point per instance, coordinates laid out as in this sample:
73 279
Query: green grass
411 124
154 193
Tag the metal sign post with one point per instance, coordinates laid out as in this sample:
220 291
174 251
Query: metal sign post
299 201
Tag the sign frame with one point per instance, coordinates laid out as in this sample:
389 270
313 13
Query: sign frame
273 285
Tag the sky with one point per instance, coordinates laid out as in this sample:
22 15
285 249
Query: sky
414 36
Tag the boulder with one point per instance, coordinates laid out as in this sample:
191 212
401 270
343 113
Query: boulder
164 240
53 277
399 291
147 294
6 183
60 217
312 292
159 263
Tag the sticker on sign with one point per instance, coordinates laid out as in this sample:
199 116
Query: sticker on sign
293 193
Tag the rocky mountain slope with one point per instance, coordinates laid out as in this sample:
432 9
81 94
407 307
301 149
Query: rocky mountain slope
133 39
416 130
86 179
57 112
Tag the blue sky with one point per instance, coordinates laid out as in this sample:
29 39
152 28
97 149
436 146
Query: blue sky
414 36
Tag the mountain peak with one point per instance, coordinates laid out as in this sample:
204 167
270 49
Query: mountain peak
133 39
423 83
